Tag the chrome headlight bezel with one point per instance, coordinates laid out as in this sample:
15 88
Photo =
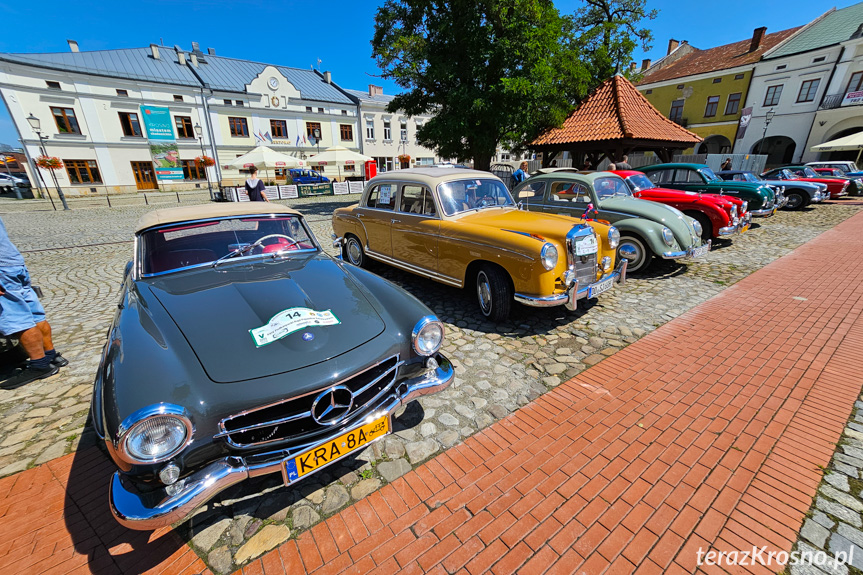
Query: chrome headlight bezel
548 255
696 227
745 206
135 424
613 237
423 326
667 236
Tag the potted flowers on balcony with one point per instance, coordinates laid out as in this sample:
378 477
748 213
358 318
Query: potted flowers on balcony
205 161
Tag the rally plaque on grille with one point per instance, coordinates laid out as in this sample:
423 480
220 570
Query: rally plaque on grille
300 465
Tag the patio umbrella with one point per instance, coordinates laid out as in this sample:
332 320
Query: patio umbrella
264 157
339 156
852 142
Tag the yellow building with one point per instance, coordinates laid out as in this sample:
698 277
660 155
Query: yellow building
705 90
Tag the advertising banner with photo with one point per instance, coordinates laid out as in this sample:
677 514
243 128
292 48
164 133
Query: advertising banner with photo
356 187
745 118
163 144
288 192
340 188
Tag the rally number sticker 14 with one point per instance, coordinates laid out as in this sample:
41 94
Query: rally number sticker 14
290 320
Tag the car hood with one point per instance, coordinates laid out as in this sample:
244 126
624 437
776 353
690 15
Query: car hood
795 183
670 217
215 309
549 226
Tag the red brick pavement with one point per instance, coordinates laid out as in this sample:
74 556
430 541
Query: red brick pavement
708 433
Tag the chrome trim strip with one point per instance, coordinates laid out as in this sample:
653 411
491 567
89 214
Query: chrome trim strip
415 269
135 512
471 242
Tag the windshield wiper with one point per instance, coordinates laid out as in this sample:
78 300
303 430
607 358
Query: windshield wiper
237 251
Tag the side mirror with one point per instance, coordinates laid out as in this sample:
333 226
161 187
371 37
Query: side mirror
337 241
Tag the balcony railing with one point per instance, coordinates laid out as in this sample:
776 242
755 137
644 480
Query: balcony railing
835 100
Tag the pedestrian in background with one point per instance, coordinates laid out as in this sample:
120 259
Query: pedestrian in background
726 165
255 187
520 174
624 163
23 317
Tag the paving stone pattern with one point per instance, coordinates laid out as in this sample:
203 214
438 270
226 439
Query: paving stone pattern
78 258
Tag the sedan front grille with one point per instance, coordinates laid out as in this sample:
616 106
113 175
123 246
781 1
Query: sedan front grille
291 419
584 266
585 269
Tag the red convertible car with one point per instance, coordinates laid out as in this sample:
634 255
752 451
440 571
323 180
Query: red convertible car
837 187
719 216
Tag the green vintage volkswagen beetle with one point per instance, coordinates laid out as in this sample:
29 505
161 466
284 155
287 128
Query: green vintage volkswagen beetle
647 229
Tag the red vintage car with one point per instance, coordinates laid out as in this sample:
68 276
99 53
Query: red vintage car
837 187
719 216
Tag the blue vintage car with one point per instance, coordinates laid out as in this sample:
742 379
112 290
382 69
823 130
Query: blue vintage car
303 176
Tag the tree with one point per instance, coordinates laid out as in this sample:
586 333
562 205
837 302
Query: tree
609 31
490 72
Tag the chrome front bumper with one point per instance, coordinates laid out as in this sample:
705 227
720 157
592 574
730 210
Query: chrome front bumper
619 275
729 230
763 213
133 511
688 254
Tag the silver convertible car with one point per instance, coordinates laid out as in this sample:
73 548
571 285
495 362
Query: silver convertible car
239 348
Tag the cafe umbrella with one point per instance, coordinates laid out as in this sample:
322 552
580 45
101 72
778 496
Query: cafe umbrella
339 156
266 158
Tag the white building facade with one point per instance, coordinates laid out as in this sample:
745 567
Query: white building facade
89 107
794 80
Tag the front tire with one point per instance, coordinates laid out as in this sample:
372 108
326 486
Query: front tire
493 293
354 253
796 201
643 256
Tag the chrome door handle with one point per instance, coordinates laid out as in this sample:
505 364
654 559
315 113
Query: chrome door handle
360 215
395 221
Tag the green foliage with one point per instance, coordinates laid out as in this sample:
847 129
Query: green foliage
499 71
609 31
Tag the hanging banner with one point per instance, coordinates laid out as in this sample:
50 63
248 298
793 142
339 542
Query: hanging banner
163 145
745 118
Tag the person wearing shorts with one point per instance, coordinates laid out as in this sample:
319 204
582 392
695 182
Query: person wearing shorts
22 316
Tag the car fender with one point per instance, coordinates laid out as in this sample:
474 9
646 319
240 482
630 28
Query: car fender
719 218
345 221
649 231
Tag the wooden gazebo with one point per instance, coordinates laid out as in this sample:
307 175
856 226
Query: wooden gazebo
615 120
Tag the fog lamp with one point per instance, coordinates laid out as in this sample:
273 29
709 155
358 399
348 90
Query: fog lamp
169 474
606 263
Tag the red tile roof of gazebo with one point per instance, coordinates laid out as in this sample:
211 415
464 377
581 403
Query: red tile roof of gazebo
617 111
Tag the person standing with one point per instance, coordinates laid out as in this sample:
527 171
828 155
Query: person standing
726 165
520 174
255 187
23 317
623 164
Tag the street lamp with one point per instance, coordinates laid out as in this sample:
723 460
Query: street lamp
200 132
36 124
317 133
767 119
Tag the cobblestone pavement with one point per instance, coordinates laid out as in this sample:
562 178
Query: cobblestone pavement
78 257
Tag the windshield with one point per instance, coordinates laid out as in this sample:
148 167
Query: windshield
710 175
750 177
474 194
610 187
809 172
190 244
639 183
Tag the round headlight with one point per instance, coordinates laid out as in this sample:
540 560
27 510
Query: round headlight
667 236
613 237
156 438
428 335
548 255
696 225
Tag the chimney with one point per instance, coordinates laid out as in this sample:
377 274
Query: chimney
672 46
73 45
196 47
632 67
375 90
757 36
328 78
211 51
154 51
194 58
181 58
645 64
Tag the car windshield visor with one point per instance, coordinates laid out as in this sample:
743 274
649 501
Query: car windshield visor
639 183
473 194
192 244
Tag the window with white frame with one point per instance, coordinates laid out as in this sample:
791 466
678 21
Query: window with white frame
370 129
388 132
404 131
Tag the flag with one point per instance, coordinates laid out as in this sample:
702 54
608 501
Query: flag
269 138
304 140
298 139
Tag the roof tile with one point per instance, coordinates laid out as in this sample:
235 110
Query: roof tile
616 111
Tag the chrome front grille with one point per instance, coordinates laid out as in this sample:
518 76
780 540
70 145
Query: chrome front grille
585 267
291 419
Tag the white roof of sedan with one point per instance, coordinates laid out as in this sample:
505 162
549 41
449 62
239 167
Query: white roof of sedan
433 175
210 211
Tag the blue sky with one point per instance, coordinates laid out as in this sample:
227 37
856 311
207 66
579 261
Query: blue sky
298 33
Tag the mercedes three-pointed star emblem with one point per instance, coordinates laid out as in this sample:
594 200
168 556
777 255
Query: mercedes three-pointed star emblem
332 405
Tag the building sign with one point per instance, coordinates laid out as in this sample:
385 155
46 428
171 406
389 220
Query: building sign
163 145
745 118
852 99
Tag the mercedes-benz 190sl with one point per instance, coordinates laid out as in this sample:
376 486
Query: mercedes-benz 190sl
461 227
239 348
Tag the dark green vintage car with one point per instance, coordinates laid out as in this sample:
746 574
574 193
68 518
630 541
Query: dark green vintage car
761 198
647 229
239 348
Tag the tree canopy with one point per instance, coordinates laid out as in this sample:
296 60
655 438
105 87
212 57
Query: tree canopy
494 71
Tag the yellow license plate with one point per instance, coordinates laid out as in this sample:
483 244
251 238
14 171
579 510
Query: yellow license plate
300 465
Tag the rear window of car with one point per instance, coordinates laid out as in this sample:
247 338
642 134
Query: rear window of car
190 244
382 197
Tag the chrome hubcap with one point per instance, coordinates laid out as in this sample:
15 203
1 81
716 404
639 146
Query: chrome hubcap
632 252
794 200
354 251
483 292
